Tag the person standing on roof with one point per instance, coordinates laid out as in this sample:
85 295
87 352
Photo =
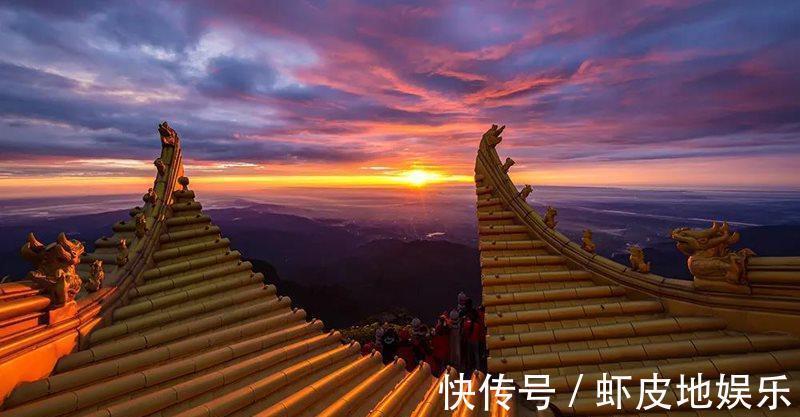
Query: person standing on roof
454 323
389 344
472 333
440 344
420 340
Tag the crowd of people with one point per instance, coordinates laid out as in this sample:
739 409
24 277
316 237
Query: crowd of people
458 339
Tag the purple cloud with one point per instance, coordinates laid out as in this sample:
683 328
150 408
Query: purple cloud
346 82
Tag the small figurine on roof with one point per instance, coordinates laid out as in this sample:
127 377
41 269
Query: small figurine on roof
169 137
160 167
141 225
508 164
97 276
184 182
122 253
586 241
150 197
550 217
637 260
526 191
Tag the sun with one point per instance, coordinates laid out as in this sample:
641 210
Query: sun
419 177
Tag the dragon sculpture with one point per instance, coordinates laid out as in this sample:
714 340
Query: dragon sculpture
55 267
492 136
711 262
169 137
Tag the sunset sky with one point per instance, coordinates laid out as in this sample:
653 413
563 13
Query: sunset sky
349 93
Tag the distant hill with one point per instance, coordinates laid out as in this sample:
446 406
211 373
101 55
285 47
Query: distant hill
345 272
421 277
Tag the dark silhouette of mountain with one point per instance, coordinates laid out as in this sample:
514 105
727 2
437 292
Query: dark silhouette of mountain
421 277
344 271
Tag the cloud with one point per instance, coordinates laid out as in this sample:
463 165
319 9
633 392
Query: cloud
387 83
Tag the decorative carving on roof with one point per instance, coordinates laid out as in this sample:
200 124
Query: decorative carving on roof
508 164
169 137
526 191
141 225
550 217
55 266
150 197
160 167
586 241
637 260
122 253
492 136
96 277
184 182
711 262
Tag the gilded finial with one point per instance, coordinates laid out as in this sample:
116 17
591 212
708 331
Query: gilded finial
526 191
508 164
184 182
586 241
637 260
550 217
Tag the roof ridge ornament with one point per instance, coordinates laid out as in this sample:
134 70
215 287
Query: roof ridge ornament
525 192
96 276
507 164
550 217
712 264
492 136
160 167
150 197
141 225
54 267
637 259
169 137
586 241
122 253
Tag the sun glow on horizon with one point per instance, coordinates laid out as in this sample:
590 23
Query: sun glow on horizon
421 177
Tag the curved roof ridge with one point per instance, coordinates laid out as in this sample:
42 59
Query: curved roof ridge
557 308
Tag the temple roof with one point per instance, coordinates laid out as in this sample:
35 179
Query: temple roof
184 327
181 326
555 307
